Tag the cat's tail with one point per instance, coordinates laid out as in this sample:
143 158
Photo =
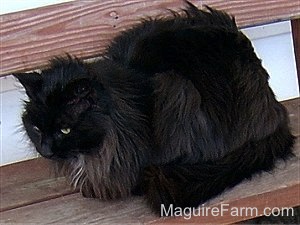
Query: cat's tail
191 185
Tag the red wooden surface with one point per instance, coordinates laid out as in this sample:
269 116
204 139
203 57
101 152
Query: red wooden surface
28 182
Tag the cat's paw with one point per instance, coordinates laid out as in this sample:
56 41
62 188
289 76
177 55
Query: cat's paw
161 190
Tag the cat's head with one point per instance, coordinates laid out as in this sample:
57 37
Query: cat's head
66 111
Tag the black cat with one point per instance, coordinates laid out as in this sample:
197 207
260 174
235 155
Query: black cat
178 108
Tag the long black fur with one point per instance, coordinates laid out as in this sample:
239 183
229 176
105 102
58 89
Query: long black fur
178 108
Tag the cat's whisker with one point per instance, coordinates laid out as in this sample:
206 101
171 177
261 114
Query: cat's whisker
78 171
82 183
77 174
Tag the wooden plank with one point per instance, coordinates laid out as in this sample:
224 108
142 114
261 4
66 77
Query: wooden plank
29 182
296 40
249 207
255 12
84 28
78 210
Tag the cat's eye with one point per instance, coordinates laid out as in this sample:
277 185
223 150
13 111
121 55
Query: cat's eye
82 88
65 130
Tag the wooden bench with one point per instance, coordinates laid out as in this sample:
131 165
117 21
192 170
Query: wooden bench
31 194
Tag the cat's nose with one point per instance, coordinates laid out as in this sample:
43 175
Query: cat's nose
47 153
45 149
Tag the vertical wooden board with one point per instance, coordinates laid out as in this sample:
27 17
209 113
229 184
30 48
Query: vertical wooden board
296 40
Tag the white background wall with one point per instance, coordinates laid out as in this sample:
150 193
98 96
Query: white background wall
273 44
9 6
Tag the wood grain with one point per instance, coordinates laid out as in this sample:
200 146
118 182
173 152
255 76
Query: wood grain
84 28
74 209
28 191
259 203
29 182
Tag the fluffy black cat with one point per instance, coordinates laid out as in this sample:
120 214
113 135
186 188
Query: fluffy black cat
178 108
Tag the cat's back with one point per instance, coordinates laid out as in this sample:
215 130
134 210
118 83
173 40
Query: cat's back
186 23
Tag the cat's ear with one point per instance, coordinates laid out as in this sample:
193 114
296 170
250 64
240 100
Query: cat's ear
31 82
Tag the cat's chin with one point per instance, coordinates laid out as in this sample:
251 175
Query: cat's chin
62 158
71 155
